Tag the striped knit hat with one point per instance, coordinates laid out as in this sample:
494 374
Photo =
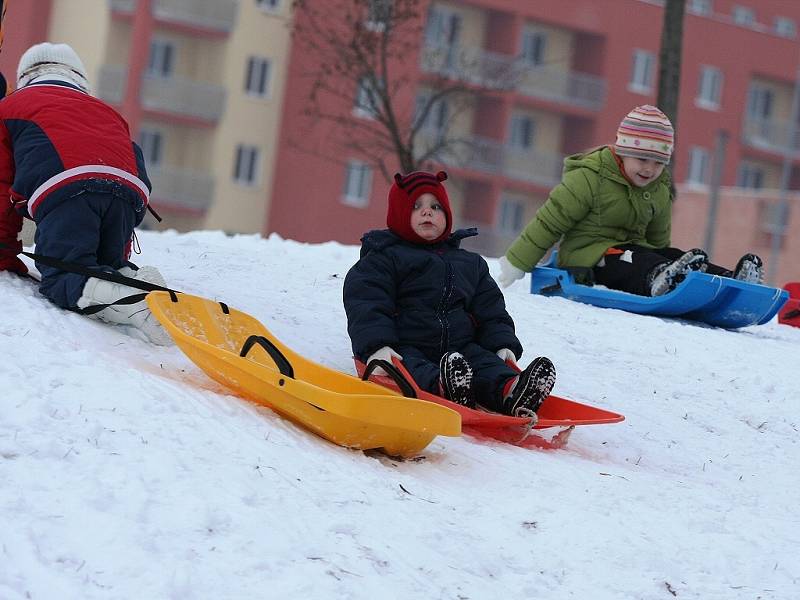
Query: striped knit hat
402 195
645 133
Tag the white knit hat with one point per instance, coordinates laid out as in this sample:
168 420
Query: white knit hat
57 60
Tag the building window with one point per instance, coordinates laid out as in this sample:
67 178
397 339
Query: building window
744 16
771 222
760 102
436 121
269 5
709 89
523 128
151 141
162 58
533 47
379 14
785 27
750 176
257 76
245 170
700 7
443 28
510 219
367 102
699 159
644 63
357 184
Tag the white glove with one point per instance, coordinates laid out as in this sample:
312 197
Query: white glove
386 353
506 354
508 273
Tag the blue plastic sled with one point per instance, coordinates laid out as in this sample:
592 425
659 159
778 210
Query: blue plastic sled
718 301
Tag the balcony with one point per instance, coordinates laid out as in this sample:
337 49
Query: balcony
503 72
183 97
770 135
497 158
215 15
180 97
181 188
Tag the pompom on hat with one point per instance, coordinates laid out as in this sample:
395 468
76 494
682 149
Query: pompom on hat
404 193
645 133
59 61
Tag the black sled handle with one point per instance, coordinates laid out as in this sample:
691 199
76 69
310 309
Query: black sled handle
405 387
283 364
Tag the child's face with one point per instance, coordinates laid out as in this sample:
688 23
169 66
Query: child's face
641 171
428 219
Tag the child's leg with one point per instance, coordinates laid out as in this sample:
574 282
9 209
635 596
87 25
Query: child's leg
627 267
490 375
424 370
74 231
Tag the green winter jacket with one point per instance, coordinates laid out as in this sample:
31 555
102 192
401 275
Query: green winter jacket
594 208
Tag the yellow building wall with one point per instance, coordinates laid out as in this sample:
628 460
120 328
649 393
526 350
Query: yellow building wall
249 120
84 25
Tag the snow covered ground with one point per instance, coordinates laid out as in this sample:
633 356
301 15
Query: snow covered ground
126 473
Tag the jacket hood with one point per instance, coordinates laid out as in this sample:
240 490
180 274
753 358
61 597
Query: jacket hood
380 239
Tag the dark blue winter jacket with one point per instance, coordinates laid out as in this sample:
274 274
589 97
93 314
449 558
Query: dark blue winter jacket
435 297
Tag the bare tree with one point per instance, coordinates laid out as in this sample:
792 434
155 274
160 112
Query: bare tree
364 61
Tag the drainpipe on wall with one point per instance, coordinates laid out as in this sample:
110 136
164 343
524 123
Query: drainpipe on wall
138 57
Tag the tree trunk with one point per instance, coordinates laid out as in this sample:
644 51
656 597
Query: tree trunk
669 65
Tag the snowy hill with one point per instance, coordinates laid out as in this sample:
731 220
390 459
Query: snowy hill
126 473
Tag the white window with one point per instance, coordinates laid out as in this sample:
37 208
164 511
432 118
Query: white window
744 16
379 14
258 76
357 184
162 58
367 102
269 5
699 159
443 28
522 131
709 90
533 46
760 102
151 141
511 215
750 176
644 63
785 27
699 7
245 169
438 114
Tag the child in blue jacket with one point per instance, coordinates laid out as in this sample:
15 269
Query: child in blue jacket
416 295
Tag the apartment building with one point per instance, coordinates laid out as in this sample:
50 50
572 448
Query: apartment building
201 84
217 93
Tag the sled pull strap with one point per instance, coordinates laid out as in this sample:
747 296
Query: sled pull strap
283 364
405 387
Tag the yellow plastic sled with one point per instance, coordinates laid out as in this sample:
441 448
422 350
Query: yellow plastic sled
238 351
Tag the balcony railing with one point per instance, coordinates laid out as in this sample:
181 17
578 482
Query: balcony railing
771 135
173 95
218 15
182 188
499 71
491 156
183 97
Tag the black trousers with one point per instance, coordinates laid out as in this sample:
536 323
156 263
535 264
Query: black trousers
629 270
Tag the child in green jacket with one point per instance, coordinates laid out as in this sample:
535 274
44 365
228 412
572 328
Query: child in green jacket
612 212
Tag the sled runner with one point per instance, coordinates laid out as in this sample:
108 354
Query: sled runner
236 350
790 313
554 412
718 301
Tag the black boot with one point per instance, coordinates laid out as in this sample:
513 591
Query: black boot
455 375
533 385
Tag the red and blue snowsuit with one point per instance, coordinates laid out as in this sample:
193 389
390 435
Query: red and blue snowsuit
424 300
67 161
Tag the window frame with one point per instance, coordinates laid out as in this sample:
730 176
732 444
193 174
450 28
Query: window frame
643 63
698 171
161 58
247 175
710 84
358 198
151 143
258 85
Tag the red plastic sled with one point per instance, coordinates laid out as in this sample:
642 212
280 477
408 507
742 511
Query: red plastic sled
554 412
790 313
